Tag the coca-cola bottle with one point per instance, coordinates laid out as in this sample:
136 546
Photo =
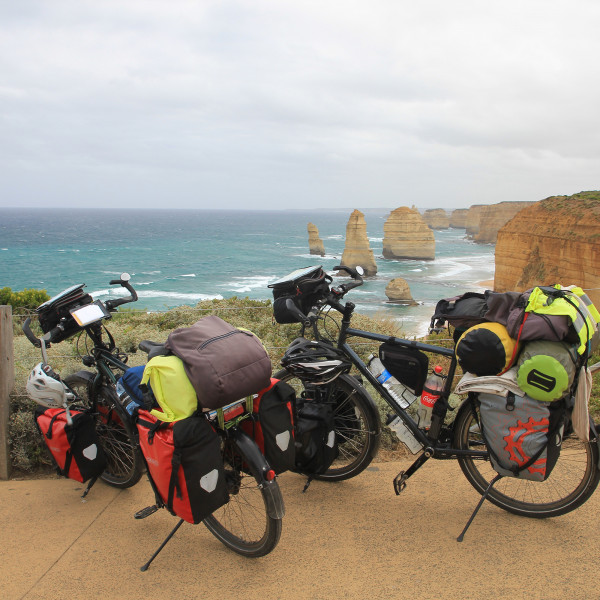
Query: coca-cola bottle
432 390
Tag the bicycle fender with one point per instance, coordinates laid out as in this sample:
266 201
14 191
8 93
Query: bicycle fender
259 466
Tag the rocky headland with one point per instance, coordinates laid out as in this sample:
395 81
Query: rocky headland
495 216
406 235
556 240
436 218
357 251
472 220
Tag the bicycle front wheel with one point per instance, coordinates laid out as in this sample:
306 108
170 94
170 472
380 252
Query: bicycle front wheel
356 421
115 432
246 524
572 481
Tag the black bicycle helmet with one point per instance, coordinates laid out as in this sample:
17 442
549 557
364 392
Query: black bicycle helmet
316 362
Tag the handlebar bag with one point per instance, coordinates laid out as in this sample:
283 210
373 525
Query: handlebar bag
304 290
223 363
75 448
271 425
523 435
185 466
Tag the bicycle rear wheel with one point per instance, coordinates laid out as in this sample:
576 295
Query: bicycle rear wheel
246 523
572 481
356 421
114 430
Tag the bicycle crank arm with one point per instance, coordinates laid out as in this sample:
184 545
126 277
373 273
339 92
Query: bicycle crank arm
400 479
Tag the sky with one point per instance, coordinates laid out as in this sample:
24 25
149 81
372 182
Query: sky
270 104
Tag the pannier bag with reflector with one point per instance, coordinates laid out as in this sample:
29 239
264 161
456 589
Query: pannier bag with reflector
75 448
523 436
185 465
271 425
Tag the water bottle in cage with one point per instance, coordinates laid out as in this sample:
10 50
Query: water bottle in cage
399 392
432 390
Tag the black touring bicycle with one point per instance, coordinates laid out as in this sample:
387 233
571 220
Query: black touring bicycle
305 296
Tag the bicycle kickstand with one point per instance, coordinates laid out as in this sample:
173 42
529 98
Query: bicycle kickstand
461 537
145 567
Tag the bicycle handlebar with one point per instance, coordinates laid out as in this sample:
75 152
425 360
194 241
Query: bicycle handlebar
29 334
112 304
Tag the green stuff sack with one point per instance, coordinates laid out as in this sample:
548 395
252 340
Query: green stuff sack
546 370
486 349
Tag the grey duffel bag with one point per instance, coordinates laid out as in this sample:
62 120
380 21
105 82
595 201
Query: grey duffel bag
223 363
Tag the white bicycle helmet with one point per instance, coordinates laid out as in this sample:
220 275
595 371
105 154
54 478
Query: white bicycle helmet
45 390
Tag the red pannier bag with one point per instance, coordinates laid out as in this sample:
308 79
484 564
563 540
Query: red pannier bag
75 448
271 425
185 466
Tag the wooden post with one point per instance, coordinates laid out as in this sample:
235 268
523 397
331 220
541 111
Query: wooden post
7 381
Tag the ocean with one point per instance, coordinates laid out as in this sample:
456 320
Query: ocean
180 257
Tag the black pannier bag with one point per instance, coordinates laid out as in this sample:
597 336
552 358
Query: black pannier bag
523 435
316 443
75 447
271 425
408 365
58 310
185 466
304 287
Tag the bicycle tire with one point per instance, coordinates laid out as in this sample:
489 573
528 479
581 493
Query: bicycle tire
357 425
115 432
244 524
572 481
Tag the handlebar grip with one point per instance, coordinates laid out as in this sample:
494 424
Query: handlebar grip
295 311
29 334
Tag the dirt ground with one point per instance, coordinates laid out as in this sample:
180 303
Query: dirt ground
350 540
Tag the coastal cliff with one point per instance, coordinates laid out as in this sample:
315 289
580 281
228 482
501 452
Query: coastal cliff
436 218
406 235
315 243
495 216
357 251
472 220
556 240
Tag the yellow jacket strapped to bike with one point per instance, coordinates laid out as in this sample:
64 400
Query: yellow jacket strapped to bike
574 303
171 388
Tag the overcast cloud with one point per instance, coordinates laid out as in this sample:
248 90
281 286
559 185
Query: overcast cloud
280 104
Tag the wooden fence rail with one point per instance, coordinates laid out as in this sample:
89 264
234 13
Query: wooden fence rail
7 381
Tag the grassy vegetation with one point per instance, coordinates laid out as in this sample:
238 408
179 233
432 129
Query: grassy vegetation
129 327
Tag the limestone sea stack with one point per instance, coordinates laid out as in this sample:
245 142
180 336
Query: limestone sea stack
398 291
406 235
357 251
315 243
436 218
473 218
458 218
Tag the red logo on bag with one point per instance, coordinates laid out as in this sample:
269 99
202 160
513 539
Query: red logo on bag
514 443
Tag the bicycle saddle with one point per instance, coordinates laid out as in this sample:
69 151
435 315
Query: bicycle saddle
153 348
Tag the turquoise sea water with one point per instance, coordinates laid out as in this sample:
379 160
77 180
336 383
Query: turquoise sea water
183 256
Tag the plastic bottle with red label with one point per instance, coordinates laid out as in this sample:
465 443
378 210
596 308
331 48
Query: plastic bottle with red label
432 390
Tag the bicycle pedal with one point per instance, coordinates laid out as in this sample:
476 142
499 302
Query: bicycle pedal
400 482
145 512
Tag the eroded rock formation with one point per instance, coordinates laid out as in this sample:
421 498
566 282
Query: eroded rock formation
406 235
473 216
553 241
436 218
315 243
495 216
458 218
357 251
397 290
